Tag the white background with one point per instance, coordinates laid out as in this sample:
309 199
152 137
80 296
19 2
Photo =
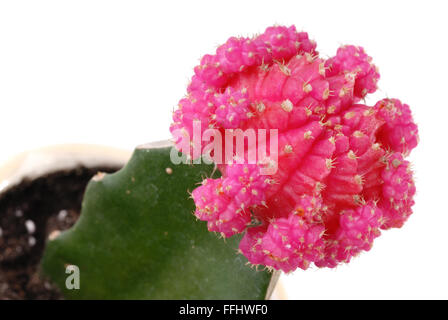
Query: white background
111 72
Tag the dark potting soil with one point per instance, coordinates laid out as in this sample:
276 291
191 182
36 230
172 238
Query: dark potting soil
29 213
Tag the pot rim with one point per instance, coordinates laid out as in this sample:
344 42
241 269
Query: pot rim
35 163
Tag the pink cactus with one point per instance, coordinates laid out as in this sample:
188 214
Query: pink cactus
341 174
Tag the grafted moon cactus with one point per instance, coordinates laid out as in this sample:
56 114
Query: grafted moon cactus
341 175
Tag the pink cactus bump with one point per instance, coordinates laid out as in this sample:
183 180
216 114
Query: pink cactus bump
341 177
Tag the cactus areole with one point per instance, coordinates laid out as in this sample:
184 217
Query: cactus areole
341 175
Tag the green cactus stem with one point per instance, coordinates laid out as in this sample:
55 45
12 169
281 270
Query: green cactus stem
138 239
